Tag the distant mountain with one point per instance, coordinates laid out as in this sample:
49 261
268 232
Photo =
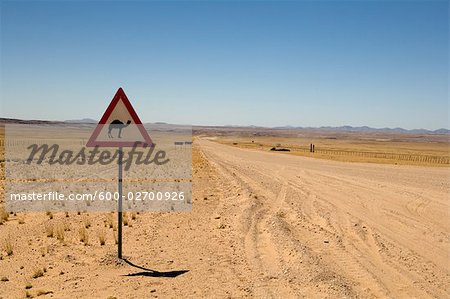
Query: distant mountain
369 129
442 131
27 121
82 121
324 128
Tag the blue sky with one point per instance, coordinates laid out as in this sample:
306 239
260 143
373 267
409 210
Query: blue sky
300 63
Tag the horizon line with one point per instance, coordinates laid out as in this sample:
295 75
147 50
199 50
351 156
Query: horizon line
241 126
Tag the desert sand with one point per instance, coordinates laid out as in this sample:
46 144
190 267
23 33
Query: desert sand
264 225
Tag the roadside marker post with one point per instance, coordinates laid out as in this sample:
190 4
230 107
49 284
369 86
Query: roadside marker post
108 133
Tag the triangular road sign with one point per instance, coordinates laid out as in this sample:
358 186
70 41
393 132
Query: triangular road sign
119 126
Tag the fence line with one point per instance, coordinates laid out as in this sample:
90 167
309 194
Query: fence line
390 156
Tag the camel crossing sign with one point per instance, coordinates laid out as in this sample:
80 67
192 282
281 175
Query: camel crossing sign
119 126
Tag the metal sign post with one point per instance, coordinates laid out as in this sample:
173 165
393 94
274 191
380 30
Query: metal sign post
119 208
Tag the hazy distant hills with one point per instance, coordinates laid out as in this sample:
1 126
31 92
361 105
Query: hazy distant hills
82 121
367 129
363 129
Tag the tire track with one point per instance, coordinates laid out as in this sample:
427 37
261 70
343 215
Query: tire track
313 232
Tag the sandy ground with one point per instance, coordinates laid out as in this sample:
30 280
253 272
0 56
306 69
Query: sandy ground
263 225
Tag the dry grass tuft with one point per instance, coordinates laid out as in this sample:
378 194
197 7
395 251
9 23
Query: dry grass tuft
133 216
28 295
49 229
125 219
8 245
59 232
101 236
66 226
21 219
38 272
87 221
4 278
28 285
3 215
49 214
44 251
109 221
84 236
43 292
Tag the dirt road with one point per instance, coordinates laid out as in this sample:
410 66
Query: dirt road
263 225
310 226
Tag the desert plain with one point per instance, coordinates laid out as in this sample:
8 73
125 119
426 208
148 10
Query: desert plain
364 216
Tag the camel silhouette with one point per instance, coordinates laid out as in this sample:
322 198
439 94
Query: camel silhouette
117 124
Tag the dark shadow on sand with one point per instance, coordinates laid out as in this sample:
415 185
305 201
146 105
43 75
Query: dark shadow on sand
153 273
